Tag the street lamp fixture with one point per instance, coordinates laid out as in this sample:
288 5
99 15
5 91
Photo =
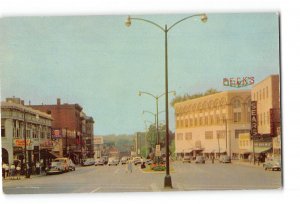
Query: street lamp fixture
166 29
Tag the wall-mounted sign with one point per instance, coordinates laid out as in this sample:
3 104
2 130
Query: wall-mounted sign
21 143
238 81
56 133
46 144
253 119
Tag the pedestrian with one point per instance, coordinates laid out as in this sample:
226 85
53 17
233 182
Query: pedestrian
129 166
12 170
18 170
37 168
212 159
7 170
3 170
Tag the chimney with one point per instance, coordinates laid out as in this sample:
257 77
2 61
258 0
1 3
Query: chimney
58 101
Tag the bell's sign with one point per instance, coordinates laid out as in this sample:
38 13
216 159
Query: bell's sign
238 82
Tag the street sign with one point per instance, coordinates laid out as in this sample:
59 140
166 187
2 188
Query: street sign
157 151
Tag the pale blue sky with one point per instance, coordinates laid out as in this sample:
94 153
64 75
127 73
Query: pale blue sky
99 63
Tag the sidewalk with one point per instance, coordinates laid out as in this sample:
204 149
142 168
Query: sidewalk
22 177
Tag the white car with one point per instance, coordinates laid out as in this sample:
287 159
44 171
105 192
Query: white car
88 162
113 161
56 167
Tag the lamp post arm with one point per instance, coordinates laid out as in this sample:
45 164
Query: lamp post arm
151 22
142 92
165 94
174 24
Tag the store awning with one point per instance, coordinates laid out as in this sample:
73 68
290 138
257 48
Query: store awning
262 149
55 155
245 151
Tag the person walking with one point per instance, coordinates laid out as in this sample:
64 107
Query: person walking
3 170
7 170
18 171
129 166
12 170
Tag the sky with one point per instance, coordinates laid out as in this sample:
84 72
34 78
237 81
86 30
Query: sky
99 63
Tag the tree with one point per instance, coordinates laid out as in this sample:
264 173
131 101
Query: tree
185 97
152 135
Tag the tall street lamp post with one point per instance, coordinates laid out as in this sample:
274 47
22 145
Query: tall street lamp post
156 100
203 17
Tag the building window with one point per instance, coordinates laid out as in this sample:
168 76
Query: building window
208 135
2 131
240 131
196 121
237 114
191 122
179 136
221 134
263 95
188 136
206 120
267 92
186 123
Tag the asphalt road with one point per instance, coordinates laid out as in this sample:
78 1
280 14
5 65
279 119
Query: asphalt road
96 179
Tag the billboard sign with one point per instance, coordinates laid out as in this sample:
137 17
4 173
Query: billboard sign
238 82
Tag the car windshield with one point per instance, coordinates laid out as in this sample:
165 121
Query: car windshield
55 163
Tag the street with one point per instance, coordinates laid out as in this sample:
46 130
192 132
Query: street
187 176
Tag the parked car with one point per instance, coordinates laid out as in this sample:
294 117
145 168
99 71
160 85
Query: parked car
105 159
124 160
149 161
55 167
272 165
137 160
88 162
225 159
65 163
113 161
100 162
71 165
200 160
186 159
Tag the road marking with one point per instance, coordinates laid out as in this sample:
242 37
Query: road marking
95 190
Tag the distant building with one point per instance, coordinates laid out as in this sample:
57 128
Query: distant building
267 96
210 125
98 146
18 120
87 135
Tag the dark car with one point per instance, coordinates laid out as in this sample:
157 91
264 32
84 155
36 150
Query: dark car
200 160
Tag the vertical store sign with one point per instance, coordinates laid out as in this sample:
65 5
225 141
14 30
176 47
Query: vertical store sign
253 118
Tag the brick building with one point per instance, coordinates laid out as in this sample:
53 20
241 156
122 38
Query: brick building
66 128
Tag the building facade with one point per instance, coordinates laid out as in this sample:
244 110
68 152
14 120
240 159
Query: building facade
98 146
19 122
66 128
210 125
266 94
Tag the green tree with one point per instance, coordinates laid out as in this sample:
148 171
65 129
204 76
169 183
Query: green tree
185 97
152 135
